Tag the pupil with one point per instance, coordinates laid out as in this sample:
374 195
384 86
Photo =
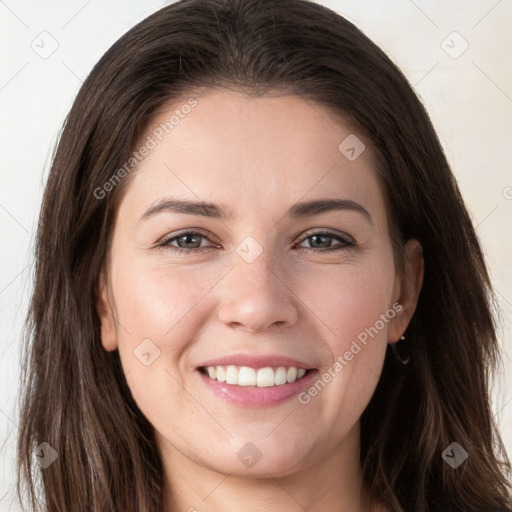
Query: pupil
186 238
316 237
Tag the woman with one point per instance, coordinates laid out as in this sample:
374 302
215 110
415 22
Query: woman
247 215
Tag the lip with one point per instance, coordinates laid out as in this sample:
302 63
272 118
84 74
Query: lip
252 396
256 361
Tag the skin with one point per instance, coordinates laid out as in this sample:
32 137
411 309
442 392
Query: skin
256 157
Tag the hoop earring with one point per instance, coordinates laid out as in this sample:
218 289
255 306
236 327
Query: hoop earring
403 359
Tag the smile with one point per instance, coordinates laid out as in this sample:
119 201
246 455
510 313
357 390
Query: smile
258 377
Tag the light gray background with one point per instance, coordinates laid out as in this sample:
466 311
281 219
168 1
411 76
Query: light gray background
467 93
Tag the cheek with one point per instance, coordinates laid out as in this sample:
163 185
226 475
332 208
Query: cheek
155 301
351 301
349 298
160 310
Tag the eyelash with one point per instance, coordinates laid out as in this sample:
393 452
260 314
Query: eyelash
345 243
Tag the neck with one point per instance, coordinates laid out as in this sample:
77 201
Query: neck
331 482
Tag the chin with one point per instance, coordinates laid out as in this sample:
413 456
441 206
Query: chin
259 458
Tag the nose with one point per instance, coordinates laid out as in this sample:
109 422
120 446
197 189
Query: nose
257 296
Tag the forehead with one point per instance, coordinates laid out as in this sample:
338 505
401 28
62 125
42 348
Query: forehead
253 153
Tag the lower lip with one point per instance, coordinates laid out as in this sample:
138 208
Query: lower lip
252 396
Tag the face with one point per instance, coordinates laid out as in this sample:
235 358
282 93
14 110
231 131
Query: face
251 288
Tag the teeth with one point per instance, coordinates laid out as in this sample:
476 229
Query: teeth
265 377
232 375
291 374
262 377
280 377
246 376
221 373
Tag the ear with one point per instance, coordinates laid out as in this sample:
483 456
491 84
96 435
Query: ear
408 289
106 315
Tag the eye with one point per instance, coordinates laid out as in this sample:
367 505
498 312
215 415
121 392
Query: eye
321 241
187 241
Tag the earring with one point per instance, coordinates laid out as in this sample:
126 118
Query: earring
403 359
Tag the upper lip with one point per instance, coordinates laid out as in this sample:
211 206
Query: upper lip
256 361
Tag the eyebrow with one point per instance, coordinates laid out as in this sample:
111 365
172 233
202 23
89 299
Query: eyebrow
298 210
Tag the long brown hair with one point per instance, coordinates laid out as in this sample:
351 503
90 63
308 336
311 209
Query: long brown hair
75 396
